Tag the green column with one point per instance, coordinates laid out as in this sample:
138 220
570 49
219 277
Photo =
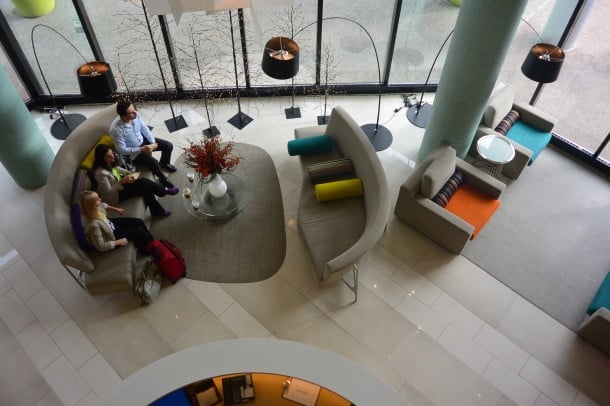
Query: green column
483 34
24 151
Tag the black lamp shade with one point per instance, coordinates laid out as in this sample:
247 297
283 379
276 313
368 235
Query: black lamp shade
96 80
543 63
281 58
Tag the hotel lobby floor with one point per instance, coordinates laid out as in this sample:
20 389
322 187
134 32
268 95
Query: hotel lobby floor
455 336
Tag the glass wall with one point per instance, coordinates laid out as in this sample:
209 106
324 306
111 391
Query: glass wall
422 29
579 97
8 68
202 44
201 51
122 32
58 59
349 41
296 21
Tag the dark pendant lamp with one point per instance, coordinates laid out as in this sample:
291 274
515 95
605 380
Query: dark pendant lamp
542 65
281 58
95 80
281 61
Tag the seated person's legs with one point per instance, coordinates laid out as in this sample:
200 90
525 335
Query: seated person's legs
134 230
147 189
148 161
166 149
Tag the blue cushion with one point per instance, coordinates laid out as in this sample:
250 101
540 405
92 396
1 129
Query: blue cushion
77 227
310 145
602 297
529 137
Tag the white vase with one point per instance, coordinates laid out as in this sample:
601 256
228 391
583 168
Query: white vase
217 186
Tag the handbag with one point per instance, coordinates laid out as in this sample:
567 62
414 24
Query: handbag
148 283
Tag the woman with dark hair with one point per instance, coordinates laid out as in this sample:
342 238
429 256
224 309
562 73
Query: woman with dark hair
116 184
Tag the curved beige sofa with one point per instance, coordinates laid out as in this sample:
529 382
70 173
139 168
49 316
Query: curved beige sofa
98 273
340 232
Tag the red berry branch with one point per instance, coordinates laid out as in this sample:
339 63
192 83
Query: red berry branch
210 156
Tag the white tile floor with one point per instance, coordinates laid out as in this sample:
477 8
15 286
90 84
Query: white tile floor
432 325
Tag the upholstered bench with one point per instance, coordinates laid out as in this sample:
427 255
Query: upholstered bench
98 273
595 328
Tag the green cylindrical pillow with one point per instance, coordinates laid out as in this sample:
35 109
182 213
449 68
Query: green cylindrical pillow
310 145
338 190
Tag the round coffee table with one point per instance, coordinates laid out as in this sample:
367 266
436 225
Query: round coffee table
249 245
213 208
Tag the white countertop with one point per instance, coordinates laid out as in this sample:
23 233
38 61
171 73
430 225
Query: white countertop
282 357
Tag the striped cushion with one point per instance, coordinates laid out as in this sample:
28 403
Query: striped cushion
330 170
455 181
507 122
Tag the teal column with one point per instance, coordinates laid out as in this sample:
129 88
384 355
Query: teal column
24 151
483 33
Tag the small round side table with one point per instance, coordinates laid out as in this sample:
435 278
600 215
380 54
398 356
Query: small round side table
494 151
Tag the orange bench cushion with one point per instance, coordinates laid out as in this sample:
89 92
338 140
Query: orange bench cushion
473 207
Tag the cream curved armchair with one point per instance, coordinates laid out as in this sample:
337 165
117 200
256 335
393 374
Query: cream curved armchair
339 233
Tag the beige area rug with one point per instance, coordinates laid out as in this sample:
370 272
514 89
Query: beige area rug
248 247
549 239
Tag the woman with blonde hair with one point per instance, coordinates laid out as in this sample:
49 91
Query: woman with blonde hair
105 233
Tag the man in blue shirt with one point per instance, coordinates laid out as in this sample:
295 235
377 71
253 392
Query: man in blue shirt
133 139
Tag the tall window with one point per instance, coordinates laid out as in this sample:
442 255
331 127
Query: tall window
422 29
12 75
123 35
57 58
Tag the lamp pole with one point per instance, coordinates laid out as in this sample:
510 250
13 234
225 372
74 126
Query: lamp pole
379 136
419 113
63 126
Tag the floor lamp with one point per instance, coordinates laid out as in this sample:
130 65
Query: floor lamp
95 80
379 136
176 122
281 61
419 113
